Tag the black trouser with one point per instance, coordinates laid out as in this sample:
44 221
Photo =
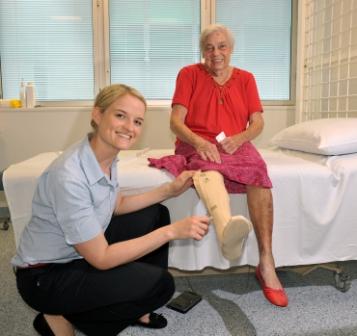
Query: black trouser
104 302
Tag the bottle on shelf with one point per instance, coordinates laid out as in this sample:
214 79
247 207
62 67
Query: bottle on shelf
30 95
23 93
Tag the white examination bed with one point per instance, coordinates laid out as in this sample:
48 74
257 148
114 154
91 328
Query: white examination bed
314 206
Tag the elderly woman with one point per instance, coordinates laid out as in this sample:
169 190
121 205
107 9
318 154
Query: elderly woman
80 263
216 112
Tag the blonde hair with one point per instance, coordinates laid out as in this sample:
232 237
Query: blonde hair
213 28
109 94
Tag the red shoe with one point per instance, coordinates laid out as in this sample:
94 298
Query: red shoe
277 297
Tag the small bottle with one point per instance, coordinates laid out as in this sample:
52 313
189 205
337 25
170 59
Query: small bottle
22 94
30 95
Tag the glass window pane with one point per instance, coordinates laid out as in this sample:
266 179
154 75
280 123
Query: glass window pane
150 40
262 30
48 43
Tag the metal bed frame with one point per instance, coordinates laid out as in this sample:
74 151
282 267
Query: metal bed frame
4 210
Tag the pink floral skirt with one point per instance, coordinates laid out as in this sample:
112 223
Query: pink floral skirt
244 167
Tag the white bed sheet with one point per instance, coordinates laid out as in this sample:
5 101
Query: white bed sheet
314 199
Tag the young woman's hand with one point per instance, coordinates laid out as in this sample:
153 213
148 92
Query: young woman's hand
181 183
195 227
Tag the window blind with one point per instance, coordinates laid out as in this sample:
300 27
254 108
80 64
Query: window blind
51 44
150 40
262 30
48 43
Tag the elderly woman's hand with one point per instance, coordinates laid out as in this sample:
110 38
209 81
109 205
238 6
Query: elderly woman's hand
231 144
208 151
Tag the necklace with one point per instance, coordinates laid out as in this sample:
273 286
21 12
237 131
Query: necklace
220 85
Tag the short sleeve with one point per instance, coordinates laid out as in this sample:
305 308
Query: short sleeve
254 103
74 210
184 88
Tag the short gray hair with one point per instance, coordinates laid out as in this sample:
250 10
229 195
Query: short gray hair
213 29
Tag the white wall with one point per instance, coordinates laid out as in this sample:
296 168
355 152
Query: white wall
25 133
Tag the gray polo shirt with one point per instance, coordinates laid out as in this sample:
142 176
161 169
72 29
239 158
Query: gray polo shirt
73 202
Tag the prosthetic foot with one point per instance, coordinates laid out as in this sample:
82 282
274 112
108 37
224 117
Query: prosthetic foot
231 231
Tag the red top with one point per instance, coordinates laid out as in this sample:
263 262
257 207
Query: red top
213 108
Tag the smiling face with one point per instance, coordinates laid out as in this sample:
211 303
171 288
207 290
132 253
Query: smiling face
120 124
217 51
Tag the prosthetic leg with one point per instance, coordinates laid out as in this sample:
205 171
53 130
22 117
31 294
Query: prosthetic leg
231 231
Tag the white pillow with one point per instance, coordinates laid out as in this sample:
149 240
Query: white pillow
321 136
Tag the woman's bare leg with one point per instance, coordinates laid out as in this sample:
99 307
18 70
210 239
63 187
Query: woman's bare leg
260 204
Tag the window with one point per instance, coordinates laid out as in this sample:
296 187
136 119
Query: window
262 32
150 41
71 48
48 43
